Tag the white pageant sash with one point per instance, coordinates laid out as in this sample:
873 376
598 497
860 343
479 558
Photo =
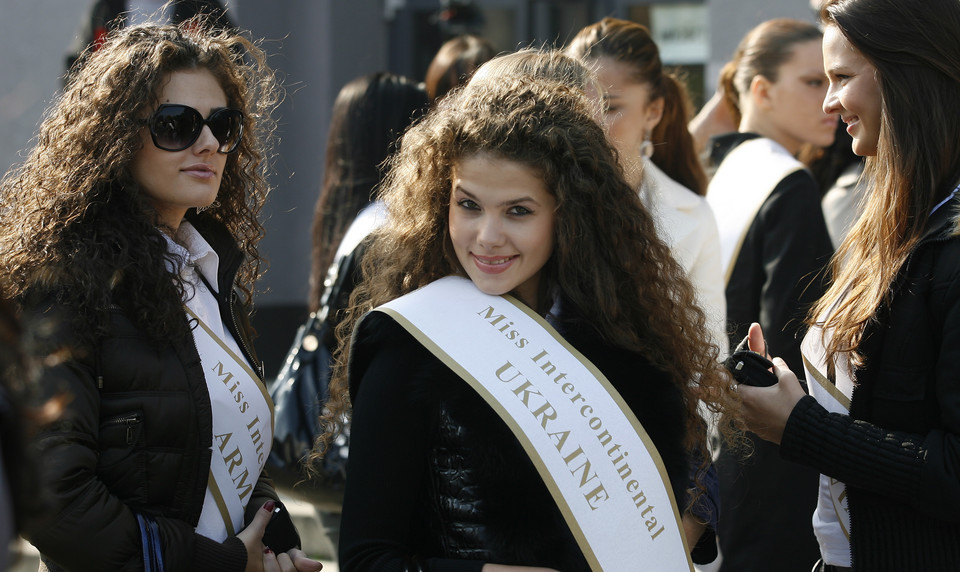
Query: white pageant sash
744 180
832 515
599 464
242 433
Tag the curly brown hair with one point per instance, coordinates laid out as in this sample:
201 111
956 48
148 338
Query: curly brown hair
608 262
77 229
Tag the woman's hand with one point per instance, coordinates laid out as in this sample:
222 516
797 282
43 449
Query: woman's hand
766 409
298 561
262 559
252 538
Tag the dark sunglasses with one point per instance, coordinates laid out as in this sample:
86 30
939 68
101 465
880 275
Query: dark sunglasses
175 127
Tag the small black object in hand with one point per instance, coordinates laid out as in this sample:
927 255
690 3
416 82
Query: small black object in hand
281 535
750 368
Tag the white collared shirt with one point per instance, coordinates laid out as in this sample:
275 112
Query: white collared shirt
199 258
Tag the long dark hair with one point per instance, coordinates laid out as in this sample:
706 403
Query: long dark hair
369 116
916 52
631 44
76 227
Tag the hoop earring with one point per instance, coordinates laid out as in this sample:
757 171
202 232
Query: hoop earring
646 148
212 205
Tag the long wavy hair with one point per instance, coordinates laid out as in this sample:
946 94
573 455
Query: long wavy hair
761 52
631 44
916 53
608 263
369 117
76 227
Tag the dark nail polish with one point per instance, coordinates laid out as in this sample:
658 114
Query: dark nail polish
269 506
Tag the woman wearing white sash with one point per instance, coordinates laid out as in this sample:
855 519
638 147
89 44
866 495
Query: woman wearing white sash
140 200
646 118
700 518
774 243
882 422
512 184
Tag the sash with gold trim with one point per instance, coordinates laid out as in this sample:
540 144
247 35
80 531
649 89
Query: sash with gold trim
832 514
598 462
242 433
744 180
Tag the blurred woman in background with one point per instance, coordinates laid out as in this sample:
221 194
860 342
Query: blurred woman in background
646 116
774 245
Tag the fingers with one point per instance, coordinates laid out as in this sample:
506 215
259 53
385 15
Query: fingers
756 341
766 409
788 380
292 561
284 563
261 519
781 368
252 535
301 562
270 561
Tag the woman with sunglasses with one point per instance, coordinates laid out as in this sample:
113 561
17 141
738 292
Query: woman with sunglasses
129 239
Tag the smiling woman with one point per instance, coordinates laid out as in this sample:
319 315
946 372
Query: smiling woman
510 187
501 225
880 424
854 91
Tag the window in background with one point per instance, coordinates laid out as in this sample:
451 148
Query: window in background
682 34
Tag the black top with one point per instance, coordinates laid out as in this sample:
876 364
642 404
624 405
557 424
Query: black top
898 450
437 480
779 271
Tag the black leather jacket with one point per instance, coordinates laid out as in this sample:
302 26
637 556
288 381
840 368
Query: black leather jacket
135 436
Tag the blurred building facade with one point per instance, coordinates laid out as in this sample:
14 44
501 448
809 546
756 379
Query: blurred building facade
319 45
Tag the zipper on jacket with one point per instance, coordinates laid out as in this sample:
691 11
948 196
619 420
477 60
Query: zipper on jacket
242 338
127 420
237 332
98 364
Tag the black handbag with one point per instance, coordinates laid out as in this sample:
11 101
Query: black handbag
299 392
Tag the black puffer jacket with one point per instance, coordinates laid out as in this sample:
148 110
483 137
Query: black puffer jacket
436 480
899 449
135 435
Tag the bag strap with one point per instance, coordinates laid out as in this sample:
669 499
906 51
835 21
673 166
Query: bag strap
150 541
